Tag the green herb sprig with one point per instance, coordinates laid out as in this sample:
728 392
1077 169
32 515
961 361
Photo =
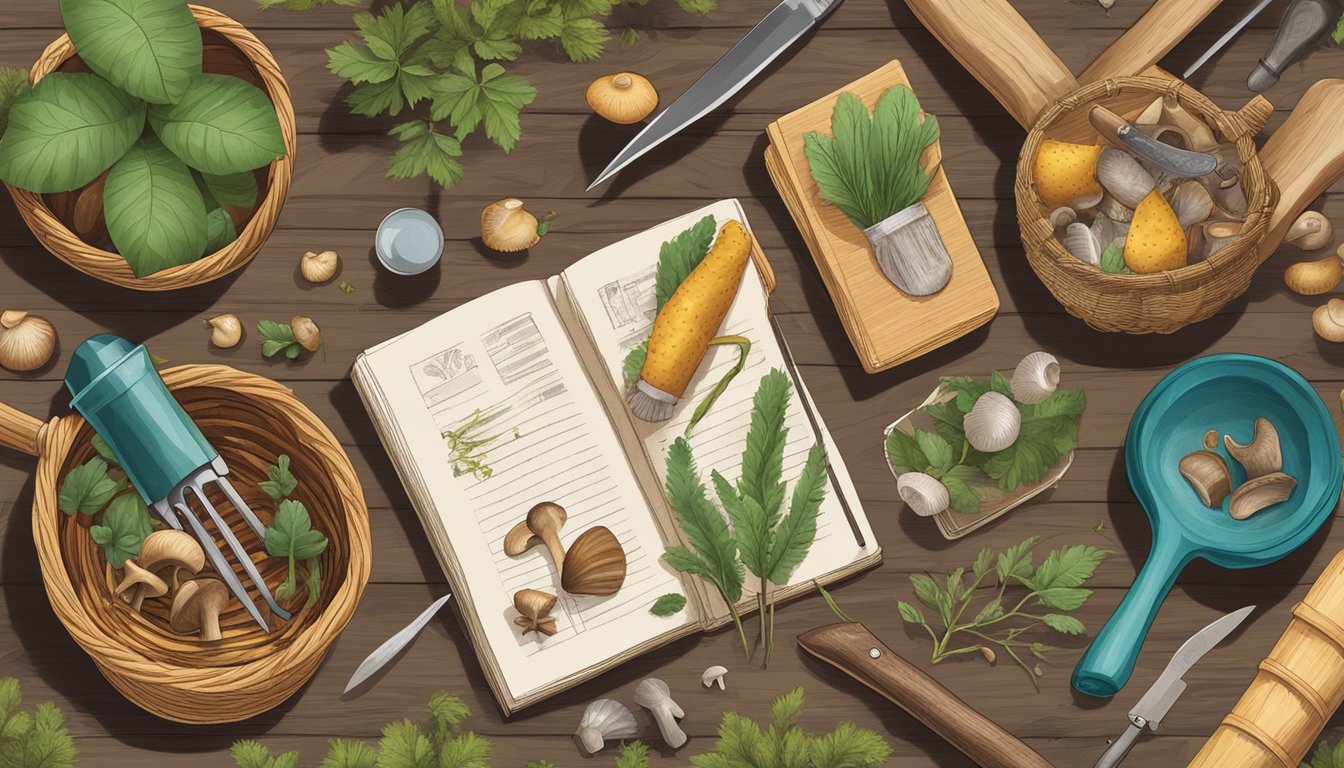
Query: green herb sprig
468 440
1054 589
123 529
669 604
442 62
1327 755
784 744
1113 260
278 339
37 739
121 522
1048 432
291 534
869 167
763 538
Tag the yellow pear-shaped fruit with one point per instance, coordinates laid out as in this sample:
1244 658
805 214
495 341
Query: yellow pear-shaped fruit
1156 242
1066 172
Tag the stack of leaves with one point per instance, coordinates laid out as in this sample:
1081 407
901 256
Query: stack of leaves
291 534
1049 432
1053 590
164 191
448 56
99 490
744 744
869 167
677 258
35 739
762 538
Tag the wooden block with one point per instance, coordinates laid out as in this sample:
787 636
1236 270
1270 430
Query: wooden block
886 326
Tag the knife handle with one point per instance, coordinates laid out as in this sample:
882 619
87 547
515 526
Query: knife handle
1119 748
1150 38
1107 123
852 649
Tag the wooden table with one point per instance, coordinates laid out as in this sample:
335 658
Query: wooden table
340 194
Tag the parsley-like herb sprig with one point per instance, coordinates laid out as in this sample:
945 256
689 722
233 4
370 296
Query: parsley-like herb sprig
742 742
1054 590
37 738
291 534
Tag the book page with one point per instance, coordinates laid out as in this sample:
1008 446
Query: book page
614 290
496 415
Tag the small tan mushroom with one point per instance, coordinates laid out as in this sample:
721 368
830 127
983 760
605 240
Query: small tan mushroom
197 608
319 267
225 331
1211 439
623 98
306 332
1206 472
534 608
1328 320
168 553
545 520
27 341
1317 276
1262 455
1260 493
138 584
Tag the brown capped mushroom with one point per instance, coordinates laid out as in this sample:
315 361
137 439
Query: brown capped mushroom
1312 231
197 607
138 584
1315 276
519 539
1260 493
1206 472
595 564
535 609
168 553
623 98
319 267
545 520
225 331
1328 320
306 333
1262 455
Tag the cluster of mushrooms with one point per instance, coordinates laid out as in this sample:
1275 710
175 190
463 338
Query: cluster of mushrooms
1314 277
593 565
1266 484
608 719
165 567
1162 222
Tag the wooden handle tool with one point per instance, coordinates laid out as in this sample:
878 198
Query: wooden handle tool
1295 691
1001 50
1150 38
852 649
20 432
1304 157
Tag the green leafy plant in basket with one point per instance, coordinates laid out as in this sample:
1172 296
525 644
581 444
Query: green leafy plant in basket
870 168
163 189
990 437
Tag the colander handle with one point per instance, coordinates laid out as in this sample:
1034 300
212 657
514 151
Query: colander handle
1109 660
996 45
1150 38
1304 157
20 432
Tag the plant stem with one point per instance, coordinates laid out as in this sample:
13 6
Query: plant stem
737 619
765 630
771 645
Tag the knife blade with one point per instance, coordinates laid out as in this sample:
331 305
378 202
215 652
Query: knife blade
393 645
770 37
1157 702
1226 38
1173 160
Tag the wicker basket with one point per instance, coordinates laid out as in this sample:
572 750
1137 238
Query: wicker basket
254 225
250 420
1156 303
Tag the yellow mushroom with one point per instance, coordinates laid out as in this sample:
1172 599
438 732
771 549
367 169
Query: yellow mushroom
1066 172
623 98
1156 242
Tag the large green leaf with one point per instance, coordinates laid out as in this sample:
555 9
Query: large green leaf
155 213
149 48
222 125
66 130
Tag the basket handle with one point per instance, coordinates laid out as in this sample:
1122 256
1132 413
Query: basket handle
1001 50
20 432
1247 121
1304 157
1150 38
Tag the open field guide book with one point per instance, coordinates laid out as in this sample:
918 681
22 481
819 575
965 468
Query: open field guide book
519 397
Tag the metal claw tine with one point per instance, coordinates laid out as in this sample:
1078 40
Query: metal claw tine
241 506
167 514
221 565
239 552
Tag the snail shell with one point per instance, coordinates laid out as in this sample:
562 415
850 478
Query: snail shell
507 227
924 494
993 423
1035 378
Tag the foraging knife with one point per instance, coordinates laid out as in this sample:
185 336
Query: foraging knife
393 645
770 37
1155 704
1173 160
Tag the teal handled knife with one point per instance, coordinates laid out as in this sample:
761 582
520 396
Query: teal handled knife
1155 704
780 29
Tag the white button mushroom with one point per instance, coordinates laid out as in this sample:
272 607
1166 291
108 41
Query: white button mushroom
654 695
714 676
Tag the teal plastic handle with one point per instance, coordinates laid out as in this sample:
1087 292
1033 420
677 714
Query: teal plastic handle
1109 661
117 390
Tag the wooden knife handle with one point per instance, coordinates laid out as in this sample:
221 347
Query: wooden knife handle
1150 38
1107 123
1304 157
852 649
992 40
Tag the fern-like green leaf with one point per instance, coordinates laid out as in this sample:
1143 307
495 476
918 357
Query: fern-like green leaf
711 542
634 754
678 256
349 753
798 529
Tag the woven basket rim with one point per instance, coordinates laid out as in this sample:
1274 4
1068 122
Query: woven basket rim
1259 206
272 670
112 268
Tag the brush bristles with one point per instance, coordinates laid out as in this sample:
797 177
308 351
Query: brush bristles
650 403
911 252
